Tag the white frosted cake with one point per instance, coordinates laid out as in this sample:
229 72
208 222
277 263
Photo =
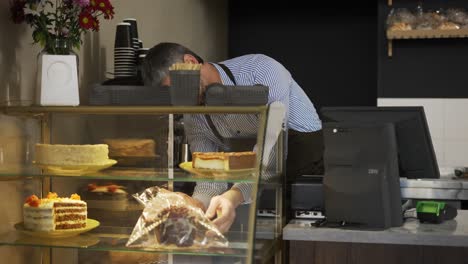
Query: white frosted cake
224 160
54 213
72 154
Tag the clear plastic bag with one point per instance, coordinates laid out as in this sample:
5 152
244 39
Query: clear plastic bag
428 21
458 16
443 22
172 220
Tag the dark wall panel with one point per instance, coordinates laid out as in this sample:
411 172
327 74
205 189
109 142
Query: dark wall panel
329 48
422 68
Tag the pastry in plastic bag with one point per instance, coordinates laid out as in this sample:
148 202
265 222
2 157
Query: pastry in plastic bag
400 26
173 220
400 19
448 26
458 16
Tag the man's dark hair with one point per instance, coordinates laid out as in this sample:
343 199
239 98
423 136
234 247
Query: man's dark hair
158 60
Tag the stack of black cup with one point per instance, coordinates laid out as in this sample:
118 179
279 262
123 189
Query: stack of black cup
128 48
133 33
124 53
141 54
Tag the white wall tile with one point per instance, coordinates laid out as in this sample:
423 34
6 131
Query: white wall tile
456 119
439 149
448 124
433 108
456 153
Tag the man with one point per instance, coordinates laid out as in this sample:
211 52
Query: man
305 144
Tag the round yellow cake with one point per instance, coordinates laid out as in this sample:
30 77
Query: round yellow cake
56 154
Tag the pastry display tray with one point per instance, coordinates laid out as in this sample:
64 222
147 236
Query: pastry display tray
130 174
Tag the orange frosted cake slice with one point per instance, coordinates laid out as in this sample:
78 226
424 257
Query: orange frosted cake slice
54 213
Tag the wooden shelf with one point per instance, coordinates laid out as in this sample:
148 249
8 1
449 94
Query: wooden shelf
427 34
423 34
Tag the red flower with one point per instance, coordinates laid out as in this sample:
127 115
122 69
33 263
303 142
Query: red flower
109 13
95 25
17 11
93 4
104 6
86 20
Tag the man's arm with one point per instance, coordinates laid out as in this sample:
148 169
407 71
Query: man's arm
277 78
196 131
272 74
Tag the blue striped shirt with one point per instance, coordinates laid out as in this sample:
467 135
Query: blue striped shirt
249 70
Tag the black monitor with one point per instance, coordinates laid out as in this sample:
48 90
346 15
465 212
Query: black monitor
416 157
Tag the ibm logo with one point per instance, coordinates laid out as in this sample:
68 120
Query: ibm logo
373 171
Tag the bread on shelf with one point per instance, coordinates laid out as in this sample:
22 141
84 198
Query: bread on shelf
400 26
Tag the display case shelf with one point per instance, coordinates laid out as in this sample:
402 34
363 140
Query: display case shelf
132 174
99 241
114 239
130 110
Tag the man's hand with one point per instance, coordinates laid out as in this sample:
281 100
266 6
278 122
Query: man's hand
192 201
223 208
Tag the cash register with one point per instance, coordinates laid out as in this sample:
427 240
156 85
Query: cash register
366 149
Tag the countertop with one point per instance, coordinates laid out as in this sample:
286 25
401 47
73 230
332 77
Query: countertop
450 233
445 188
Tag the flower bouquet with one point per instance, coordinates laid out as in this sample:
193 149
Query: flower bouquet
57 26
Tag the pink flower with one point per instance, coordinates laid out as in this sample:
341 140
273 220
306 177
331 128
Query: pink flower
82 3
65 31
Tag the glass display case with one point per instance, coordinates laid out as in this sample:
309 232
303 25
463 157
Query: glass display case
150 146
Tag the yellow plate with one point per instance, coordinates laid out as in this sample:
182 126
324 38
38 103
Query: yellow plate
233 174
75 169
145 161
82 241
90 224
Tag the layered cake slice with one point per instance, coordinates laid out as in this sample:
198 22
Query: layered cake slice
111 204
224 160
122 147
54 213
109 197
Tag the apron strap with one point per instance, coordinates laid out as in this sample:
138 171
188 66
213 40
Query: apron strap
213 128
228 72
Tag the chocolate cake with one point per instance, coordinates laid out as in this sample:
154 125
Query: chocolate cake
111 204
171 220
180 228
